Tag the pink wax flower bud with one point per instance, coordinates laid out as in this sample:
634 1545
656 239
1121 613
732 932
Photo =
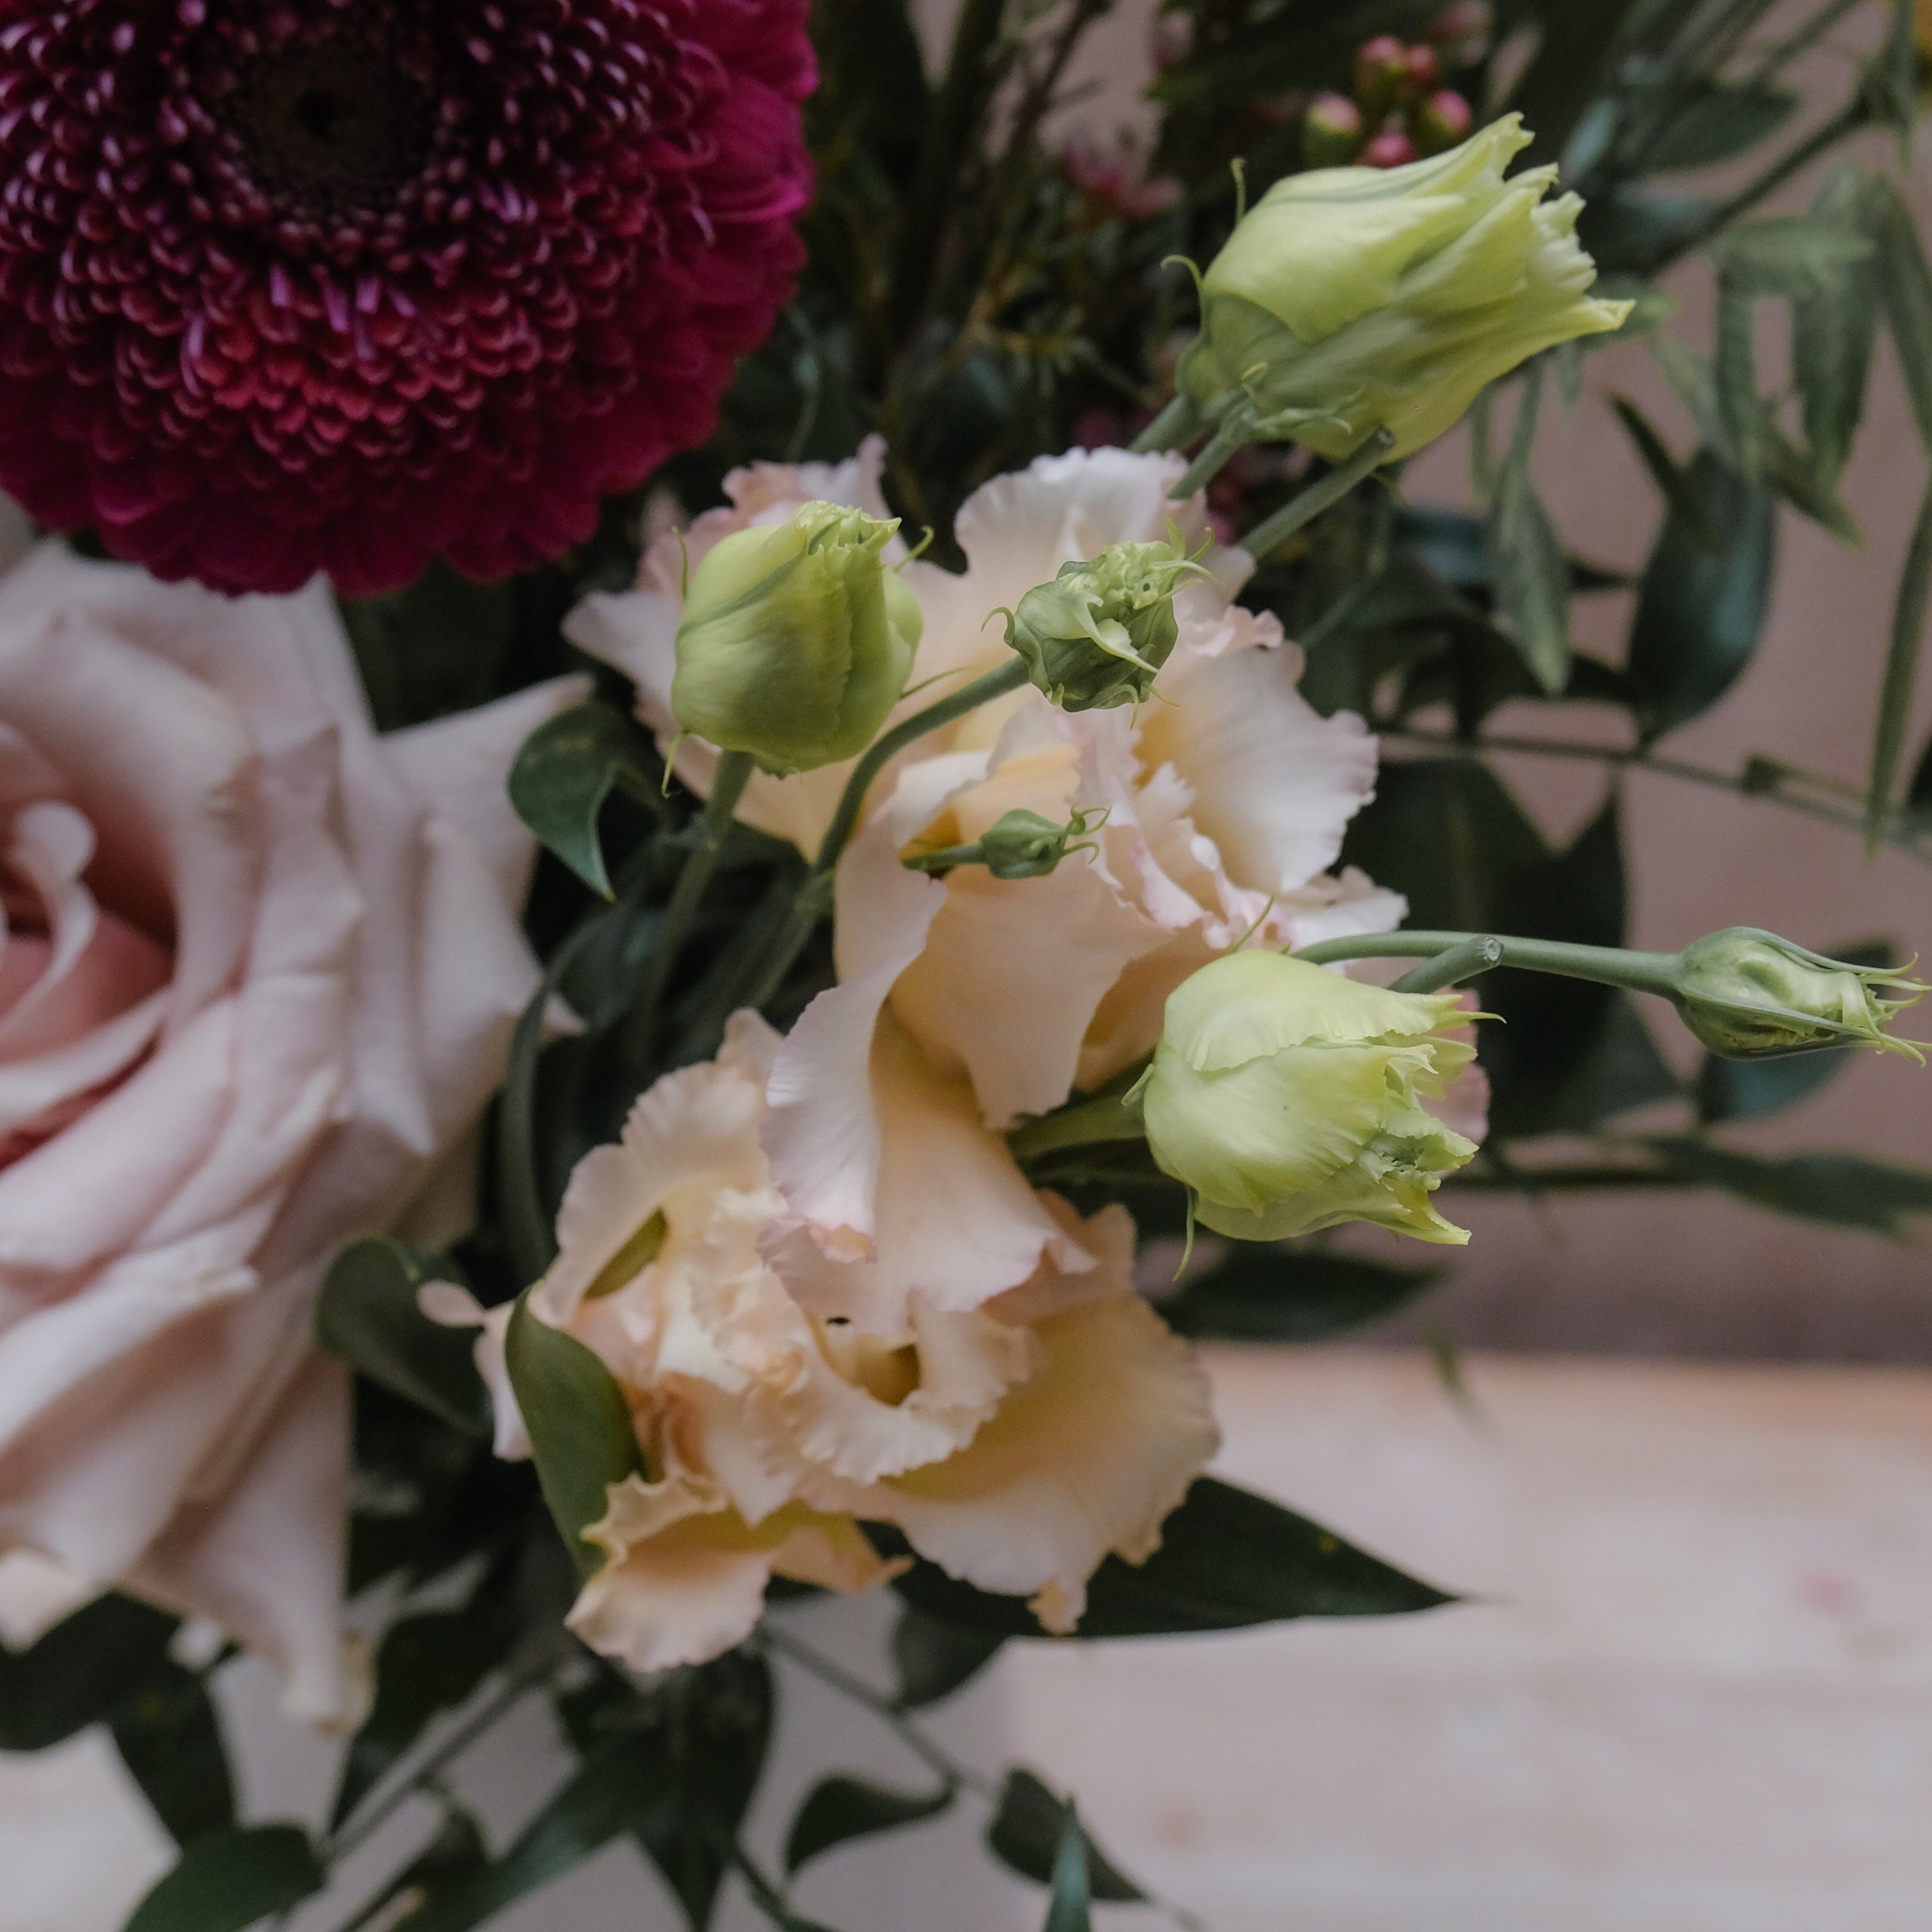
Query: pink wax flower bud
1390 149
1382 71
1331 131
1461 33
1443 120
1421 70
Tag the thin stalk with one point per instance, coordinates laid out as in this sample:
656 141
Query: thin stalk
1474 956
1177 425
1898 837
808 905
1110 1117
941 1763
1603 965
1807 37
714 825
1310 504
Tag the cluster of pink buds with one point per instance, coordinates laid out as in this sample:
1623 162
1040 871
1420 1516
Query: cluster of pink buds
1399 111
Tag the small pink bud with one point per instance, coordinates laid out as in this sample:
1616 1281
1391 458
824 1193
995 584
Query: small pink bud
1381 69
1331 131
1461 31
1391 149
1421 69
1443 120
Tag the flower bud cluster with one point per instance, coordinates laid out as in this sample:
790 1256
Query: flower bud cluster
1398 110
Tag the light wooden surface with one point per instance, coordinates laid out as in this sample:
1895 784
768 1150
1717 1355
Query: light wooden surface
1691 1690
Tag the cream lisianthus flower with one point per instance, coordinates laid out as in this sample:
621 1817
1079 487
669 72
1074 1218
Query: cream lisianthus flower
1015 1444
967 1002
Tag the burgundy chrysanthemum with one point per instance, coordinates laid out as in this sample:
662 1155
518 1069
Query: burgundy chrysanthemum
342 285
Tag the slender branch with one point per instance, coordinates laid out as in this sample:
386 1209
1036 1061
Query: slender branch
1110 1117
1305 507
714 825
1807 36
1602 965
940 1762
1912 844
1465 962
1177 425
808 906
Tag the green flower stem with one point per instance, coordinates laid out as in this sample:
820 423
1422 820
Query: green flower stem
808 907
714 825
948 858
1452 968
1176 426
1310 503
1111 1116
1605 965
1220 451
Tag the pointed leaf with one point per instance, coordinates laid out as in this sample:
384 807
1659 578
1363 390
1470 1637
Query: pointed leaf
1531 571
566 770
1905 291
1901 675
839 1809
367 1314
1750 1089
1260 1293
169 1738
1227 1559
1841 1189
1069 1908
1715 122
1028 1832
1835 328
80 1671
1671 478
1700 614
231 1880
582 1438
934 1660
1791 255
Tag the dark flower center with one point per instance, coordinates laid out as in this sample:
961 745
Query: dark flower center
333 128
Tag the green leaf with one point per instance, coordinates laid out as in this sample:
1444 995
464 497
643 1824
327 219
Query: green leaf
367 1314
169 1738
428 1662
1069 1908
1749 1090
1028 1833
1227 1559
1841 1189
1671 478
1919 793
1259 1293
934 1659
1573 60
1629 231
1699 613
582 1438
80 1671
1835 328
1901 675
1791 255
840 1809
1715 122
1905 292
1531 571
436 648
1740 415
694 1743
566 770
1894 75
231 1880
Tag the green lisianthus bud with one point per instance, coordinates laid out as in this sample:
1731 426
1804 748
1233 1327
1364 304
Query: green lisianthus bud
1098 633
797 640
1025 845
1349 300
1750 995
1288 1099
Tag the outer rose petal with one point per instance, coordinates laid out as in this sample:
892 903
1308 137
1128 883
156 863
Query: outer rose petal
1086 1457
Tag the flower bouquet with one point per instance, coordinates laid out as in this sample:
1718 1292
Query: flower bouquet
700 850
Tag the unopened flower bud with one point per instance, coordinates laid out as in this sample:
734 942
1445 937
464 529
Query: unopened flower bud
1461 31
1390 149
1444 119
1349 300
1288 1099
1025 845
1748 995
1331 131
797 640
1098 634
1381 71
1421 70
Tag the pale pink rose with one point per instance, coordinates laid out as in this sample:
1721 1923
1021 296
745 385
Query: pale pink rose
1016 1444
966 1003
258 972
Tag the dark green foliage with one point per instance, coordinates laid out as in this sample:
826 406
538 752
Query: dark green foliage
838 1810
368 1315
567 770
1841 1189
935 1659
1258 1293
80 1671
231 1880
169 1738
1227 1559
1028 1833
